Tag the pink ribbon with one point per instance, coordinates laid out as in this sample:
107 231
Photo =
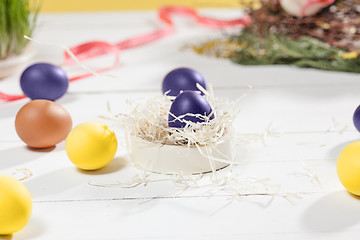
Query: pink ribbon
94 49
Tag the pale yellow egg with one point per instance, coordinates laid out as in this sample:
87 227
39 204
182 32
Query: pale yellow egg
91 145
15 205
348 168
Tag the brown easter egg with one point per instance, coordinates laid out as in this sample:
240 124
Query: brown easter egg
42 123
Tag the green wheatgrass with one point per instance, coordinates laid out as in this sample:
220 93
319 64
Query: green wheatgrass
16 20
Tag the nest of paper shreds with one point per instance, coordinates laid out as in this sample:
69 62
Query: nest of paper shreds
328 40
149 122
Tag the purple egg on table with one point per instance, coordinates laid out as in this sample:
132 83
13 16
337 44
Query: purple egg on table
356 118
44 81
182 79
188 102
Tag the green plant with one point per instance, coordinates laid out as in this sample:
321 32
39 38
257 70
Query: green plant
16 20
303 52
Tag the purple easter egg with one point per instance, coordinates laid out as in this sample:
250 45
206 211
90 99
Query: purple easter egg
188 102
356 118
182 79
44 81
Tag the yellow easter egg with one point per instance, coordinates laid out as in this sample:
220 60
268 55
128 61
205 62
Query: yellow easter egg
348 168
91 145
15 205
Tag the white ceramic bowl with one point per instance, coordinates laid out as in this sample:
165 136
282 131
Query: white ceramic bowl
171 159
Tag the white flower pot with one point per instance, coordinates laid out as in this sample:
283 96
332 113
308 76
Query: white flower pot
13 64
171 159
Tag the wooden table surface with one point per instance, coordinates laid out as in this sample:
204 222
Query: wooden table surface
293 124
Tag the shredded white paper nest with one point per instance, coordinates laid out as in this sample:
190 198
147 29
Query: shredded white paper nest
149 121
150 140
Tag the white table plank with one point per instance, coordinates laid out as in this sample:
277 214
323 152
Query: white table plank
320 216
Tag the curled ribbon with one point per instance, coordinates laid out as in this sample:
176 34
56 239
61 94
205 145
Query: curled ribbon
94 49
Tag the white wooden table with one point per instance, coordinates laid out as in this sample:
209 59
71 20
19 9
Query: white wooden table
305 113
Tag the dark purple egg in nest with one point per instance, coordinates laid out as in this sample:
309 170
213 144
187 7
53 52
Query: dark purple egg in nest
185 106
